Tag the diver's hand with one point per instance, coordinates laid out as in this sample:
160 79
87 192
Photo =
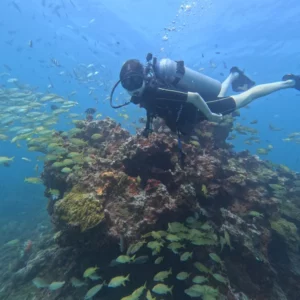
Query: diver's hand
217 118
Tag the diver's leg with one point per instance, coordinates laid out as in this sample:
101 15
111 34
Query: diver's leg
227 82
259 91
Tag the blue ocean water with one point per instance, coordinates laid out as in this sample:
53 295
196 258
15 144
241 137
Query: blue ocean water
260 37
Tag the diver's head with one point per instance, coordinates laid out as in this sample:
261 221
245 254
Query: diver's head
132 77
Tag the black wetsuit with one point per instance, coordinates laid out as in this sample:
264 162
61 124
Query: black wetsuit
171 105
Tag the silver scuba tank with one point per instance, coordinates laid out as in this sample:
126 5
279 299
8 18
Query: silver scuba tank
186 79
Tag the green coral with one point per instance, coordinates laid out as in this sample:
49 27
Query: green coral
79 123
287 230
290 210
80 208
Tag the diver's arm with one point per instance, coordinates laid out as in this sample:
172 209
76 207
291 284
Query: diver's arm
154 95
193 98
199 102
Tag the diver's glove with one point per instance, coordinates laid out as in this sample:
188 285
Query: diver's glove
200 104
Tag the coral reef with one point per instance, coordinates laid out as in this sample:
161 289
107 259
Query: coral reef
80 209
125 186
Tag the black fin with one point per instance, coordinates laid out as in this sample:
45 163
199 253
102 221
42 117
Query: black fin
242 83
294 77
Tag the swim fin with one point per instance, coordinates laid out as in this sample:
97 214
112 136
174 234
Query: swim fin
242 83
296 78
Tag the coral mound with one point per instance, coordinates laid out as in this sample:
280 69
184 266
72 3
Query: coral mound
128 185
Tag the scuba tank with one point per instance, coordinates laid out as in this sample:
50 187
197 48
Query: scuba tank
186 79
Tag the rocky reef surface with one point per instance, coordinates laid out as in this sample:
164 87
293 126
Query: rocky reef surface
240 215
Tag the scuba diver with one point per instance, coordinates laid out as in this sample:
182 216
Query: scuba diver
183 97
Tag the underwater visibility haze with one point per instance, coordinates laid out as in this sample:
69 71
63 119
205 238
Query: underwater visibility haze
93 208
